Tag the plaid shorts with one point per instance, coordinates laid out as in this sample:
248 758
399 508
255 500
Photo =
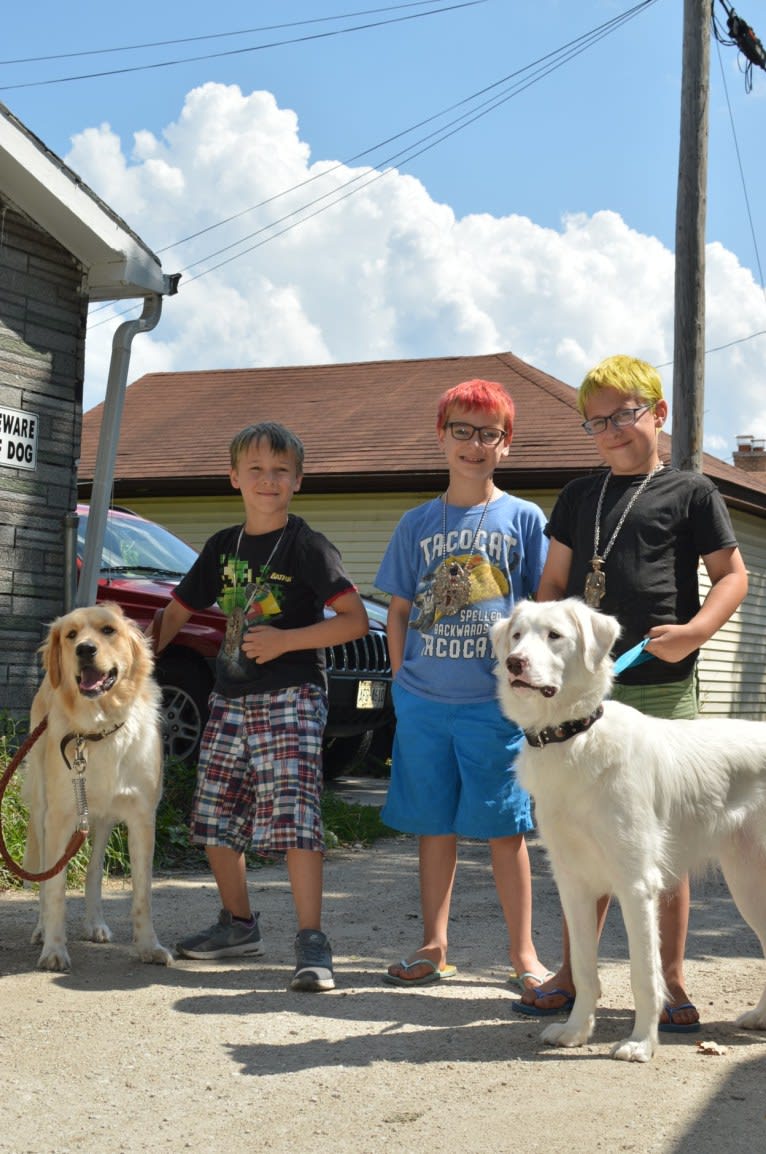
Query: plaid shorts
260 772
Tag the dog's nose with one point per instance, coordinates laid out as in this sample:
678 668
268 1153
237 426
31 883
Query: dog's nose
515 665
86 650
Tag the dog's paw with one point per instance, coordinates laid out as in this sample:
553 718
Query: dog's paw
55 958
97 932
633 1050
752 1020
566 1034
155 955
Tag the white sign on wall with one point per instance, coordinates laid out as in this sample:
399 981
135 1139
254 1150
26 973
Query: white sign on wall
18 439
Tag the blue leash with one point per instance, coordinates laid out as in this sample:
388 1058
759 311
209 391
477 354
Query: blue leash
635 656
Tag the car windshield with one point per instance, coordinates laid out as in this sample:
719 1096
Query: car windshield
132 545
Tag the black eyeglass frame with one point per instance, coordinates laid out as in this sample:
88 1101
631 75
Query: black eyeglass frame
597 425
498 434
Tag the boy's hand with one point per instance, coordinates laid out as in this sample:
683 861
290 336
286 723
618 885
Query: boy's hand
263 643
672 643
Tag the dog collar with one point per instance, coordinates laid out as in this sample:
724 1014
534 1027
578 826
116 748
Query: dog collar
563 732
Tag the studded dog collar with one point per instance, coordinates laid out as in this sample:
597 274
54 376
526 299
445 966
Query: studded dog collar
562 732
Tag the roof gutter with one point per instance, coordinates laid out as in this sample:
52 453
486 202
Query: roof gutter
107 444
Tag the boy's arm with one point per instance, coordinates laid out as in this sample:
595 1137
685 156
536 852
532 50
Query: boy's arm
728 575
264 642
167 623
555 575
396 628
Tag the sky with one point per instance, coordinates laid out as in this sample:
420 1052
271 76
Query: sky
352 180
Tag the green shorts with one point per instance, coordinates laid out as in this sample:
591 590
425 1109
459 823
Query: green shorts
674 700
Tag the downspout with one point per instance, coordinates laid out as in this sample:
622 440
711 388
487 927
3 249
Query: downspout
103 475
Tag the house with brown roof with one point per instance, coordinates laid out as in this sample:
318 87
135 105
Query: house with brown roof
372 452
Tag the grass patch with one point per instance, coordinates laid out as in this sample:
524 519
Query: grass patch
345 823
349 823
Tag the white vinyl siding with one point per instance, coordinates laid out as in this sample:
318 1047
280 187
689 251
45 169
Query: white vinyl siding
732 665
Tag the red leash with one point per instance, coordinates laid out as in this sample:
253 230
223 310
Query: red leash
75 841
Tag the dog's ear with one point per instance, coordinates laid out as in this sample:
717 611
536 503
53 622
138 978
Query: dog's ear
141 655
51 655
598 631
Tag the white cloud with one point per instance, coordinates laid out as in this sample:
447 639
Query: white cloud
387 272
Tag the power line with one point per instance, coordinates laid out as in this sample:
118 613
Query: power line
741 170
214 35
551 60
544 65
240 51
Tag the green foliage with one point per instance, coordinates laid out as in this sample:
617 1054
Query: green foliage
349 823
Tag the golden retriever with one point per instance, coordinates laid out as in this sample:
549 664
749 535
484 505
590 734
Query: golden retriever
626 803
99 696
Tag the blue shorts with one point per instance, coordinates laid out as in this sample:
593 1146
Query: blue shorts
259 779
452 771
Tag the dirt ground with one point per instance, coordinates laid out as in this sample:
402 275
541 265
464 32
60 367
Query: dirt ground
222 1057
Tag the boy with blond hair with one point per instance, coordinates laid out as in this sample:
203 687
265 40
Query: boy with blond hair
629 541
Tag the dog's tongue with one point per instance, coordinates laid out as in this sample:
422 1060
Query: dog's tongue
90 680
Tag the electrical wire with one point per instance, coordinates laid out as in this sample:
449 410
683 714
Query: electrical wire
240 51
214 35
545 65
741 169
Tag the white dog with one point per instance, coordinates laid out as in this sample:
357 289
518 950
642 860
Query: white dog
626 803
100 699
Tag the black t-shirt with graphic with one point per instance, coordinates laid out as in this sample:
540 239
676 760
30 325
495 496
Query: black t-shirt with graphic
283 579
651 569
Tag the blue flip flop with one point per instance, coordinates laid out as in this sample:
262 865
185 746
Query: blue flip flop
436 975
672 1027
534 1011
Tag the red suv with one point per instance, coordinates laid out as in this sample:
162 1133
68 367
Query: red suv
141 562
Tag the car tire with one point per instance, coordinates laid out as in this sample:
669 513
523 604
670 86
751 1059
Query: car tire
344 755
185 691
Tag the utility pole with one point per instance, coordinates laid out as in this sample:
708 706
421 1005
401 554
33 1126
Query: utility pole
691 213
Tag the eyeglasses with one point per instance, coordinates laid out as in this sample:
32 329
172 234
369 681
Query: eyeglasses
488 436
622 419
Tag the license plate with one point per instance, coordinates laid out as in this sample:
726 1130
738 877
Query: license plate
371 694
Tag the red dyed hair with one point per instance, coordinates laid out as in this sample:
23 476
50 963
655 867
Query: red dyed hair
473 395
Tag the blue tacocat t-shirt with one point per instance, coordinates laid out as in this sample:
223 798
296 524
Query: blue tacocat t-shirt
448 656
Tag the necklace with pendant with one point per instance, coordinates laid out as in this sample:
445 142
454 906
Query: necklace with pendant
595 582
256 592
452 579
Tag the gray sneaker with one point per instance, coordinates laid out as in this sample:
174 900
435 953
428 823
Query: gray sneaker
313 962
225 939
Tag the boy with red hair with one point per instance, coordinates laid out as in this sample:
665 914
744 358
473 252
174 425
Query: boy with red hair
454 566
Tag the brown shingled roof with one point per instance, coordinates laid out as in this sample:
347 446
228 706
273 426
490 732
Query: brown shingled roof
365 426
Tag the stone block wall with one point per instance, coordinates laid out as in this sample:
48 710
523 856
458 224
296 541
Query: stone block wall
43 313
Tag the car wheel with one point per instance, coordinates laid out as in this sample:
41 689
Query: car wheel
184 708
345 755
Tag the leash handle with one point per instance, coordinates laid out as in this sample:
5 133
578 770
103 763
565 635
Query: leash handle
635 656
75 841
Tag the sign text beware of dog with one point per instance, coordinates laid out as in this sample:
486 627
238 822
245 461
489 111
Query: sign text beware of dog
18 439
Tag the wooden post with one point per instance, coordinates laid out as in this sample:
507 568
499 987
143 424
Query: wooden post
691 210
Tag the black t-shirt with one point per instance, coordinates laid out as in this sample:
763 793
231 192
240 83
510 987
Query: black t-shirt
289 576
651 569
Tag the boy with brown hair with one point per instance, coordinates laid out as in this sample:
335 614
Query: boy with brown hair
260 769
